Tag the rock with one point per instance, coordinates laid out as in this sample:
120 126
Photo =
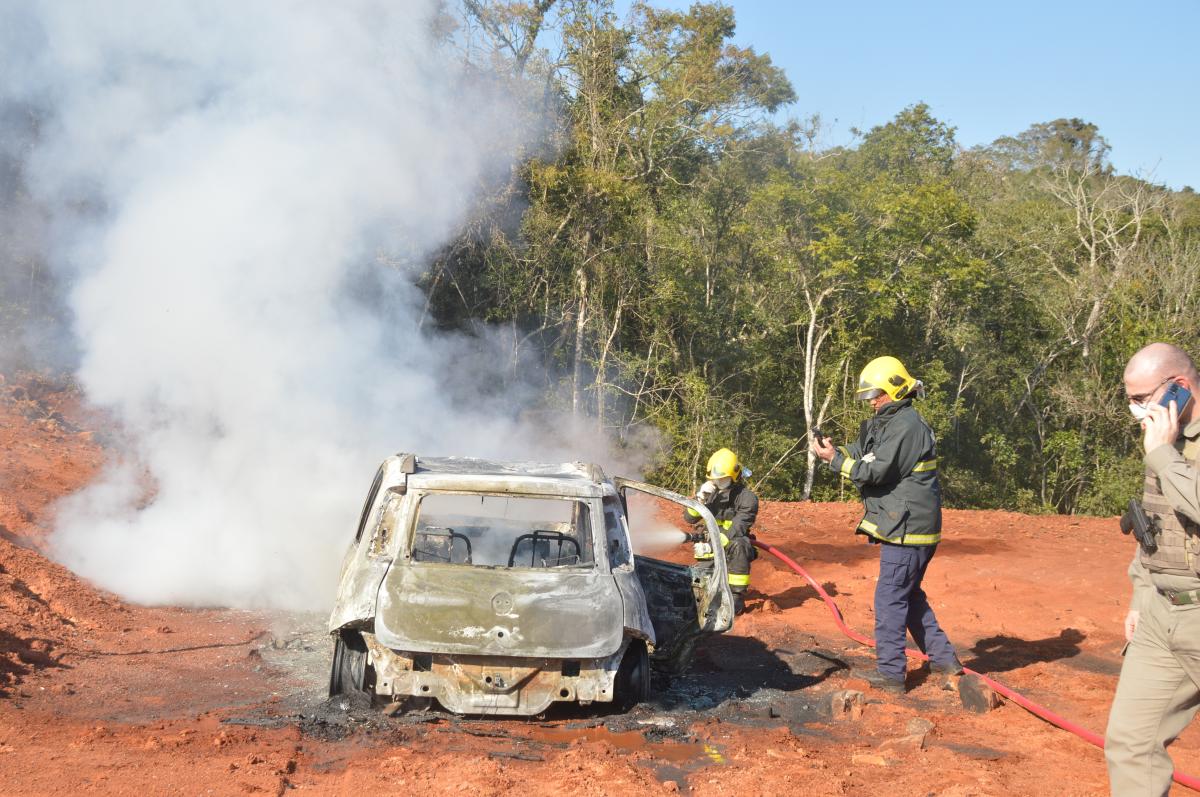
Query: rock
869 758
670 785
919 725
769 606
976 696
914 741
846 704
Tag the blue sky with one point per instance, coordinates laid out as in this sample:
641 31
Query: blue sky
993 69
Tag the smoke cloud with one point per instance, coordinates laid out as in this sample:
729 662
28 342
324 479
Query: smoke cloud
229 188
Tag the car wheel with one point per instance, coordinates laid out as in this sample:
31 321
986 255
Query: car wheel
633 676
351 671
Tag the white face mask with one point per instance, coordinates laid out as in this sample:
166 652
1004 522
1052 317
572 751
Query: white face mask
723 482
1138 411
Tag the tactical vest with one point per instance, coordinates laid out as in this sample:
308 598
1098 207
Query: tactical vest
1178 552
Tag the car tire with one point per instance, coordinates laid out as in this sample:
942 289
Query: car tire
351 671
633 676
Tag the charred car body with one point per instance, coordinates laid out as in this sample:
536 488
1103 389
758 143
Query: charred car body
501 588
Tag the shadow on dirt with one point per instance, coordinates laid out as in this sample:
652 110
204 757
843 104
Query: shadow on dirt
740 678
795 596
20 657
1004 653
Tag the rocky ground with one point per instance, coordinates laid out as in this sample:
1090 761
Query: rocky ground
106 697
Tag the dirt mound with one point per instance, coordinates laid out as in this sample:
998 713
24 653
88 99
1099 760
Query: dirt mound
47 454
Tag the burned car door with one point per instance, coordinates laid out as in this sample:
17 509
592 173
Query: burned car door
685 602
621 565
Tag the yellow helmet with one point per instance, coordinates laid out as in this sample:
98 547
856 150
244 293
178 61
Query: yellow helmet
885 375
724 463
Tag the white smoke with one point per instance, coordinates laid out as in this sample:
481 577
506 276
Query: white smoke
655 525
223 179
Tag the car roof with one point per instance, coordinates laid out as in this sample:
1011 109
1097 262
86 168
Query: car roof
470 466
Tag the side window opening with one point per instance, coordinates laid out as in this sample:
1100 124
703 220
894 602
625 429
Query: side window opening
502 531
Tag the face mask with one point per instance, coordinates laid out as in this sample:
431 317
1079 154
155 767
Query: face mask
723 482
1138 411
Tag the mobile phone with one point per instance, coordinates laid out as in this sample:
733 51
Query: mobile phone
1177 393
818 435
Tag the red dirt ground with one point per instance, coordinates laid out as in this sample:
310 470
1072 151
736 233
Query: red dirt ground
106 697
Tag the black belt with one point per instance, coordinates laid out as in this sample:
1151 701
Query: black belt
1185 598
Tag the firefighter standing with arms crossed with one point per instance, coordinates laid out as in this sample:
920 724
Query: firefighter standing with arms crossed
894 466
735 508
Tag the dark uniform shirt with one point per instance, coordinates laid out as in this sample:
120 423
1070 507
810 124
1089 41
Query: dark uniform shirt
894 466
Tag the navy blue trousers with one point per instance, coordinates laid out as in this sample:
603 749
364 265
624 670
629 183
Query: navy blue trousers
901 605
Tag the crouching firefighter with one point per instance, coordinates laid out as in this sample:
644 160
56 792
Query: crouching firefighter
735 508
894 466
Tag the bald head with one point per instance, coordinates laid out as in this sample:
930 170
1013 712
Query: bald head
1154 363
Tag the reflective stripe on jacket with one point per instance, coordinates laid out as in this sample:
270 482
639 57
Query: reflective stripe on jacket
894 466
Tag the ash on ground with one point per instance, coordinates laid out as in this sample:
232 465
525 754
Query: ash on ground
733 678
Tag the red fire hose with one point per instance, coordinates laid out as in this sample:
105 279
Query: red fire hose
1033 708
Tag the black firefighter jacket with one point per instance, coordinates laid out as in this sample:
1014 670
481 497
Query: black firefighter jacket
735 510
894 466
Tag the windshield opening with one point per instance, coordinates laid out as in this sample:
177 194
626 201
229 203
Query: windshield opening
502 531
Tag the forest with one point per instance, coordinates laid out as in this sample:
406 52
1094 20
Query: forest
686 261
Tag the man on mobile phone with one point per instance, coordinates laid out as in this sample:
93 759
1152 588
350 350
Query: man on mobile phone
1159 689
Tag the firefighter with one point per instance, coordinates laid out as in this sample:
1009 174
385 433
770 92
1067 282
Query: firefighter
735 507
894 466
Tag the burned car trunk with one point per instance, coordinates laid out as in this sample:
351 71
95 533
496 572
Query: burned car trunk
505 587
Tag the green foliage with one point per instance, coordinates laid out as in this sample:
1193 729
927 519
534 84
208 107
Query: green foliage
686 264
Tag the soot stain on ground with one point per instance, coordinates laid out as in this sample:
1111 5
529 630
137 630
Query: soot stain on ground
733 679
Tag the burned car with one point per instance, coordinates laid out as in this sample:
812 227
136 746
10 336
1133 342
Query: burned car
501 588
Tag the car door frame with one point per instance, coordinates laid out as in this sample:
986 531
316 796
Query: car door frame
716 612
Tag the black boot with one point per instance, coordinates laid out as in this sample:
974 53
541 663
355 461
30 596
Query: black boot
953 667
887 683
